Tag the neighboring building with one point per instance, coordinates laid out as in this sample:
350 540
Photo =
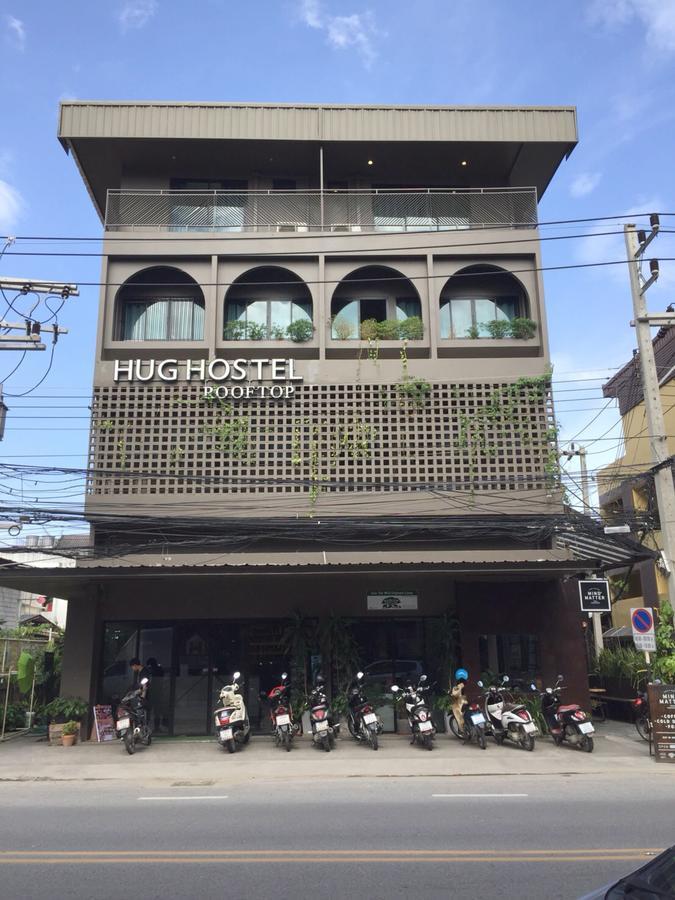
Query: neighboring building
321 384
17 607
626 487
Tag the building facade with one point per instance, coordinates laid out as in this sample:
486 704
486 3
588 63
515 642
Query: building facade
626 487
322 426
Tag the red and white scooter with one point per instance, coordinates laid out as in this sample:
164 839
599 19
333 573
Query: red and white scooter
566 722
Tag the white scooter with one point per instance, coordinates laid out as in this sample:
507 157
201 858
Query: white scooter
507 720
232 725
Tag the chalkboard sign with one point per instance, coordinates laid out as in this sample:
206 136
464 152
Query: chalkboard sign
104 724
594 595
662 711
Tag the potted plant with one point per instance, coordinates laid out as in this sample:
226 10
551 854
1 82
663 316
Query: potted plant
69 733
62 710
300 331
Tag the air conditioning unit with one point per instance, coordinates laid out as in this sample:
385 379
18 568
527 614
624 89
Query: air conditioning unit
292 226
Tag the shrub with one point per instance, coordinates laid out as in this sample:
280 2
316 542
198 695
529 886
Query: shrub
368 330
411 329
71 727
522 329
235 331
342 329
498 328
300 331
67 708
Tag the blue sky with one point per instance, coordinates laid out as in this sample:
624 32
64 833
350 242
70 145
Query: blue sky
613 59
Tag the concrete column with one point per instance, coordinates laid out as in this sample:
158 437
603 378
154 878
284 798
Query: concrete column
80 651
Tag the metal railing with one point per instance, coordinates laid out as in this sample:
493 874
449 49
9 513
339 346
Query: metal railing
327 211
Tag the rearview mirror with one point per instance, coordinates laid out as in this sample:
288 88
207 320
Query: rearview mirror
423 678
506 679
533 686
395 689
359 675
560 678
480 684
284 676
236 675
144 680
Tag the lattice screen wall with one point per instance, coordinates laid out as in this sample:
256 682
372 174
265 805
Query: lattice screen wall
358 437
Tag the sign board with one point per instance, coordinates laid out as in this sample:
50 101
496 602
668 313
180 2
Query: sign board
642 623
104 724
392 601
662 711
594 595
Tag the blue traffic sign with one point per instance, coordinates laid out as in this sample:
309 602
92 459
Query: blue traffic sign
642 621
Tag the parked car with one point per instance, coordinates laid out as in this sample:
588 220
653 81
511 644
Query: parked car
653 881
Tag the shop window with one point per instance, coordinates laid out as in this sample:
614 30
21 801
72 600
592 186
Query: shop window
515 655
268 303
120 645
160 304
376 302
481 301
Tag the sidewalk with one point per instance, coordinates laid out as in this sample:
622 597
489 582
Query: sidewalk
618 750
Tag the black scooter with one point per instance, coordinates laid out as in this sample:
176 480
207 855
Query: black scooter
132 718
321 720
363 722
419 715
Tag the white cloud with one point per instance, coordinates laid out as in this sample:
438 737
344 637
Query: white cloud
136 13
584 184
656 16
355 31
17 31
11 206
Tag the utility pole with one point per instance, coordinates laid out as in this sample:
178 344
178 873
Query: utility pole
585 491
636 244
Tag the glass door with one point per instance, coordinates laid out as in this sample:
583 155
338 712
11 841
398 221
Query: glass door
191 712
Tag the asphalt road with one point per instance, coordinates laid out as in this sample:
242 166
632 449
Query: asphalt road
473 837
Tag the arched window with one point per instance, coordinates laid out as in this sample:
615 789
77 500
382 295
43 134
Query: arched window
160 304
481 301
376 301
268 303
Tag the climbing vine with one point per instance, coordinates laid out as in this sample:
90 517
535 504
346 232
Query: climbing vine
232 433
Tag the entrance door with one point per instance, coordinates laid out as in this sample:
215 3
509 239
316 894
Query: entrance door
226 659
191 713
266 660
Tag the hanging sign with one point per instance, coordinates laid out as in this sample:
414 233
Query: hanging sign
594 595
384 600
642 623
662 712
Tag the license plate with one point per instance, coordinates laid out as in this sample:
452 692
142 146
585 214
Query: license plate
425 726
322 726
529 727
283 720
123 724
478 718
586 728
226 734
370 718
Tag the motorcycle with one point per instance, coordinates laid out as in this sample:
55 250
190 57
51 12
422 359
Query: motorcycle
643 722
419 715
281 714
232 725
506 720
566 722
323 728
472 723
363 722
132 718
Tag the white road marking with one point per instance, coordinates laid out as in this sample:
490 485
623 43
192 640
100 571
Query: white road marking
202 797
479 795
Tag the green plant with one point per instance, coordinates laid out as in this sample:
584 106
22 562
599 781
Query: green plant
300 331
67 708
414 390
235 330
255 331
620 662
498 328
532 703
411 329
368 330
278 332
232 433
71 727
663 666
106 425
16 716
388 330
473 332
342 329
522 328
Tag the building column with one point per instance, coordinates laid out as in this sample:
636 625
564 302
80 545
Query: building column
80 650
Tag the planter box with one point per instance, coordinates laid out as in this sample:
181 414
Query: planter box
55 733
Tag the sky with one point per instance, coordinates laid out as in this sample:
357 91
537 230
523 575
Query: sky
612 59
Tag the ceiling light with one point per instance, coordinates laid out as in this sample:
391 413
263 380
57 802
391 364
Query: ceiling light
463 163
370 162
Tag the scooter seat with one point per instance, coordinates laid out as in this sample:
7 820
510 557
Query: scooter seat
569 708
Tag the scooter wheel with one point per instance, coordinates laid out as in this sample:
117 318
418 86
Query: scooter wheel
557 740
286 741
129 742
499 739
482 743
527 742
373 741
428 742
231 746
455 729
586 744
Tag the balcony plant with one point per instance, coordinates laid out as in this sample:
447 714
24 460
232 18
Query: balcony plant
523 328
300 331
410 329
498 329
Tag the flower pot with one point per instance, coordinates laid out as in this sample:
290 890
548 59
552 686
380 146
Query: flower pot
67 740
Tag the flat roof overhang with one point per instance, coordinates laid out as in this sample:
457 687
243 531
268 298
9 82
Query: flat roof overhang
78 583
504 146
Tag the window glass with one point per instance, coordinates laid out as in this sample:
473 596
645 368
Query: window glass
162 320
407 308
507 307
181 320
346 320
120 641
461 318
485 311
